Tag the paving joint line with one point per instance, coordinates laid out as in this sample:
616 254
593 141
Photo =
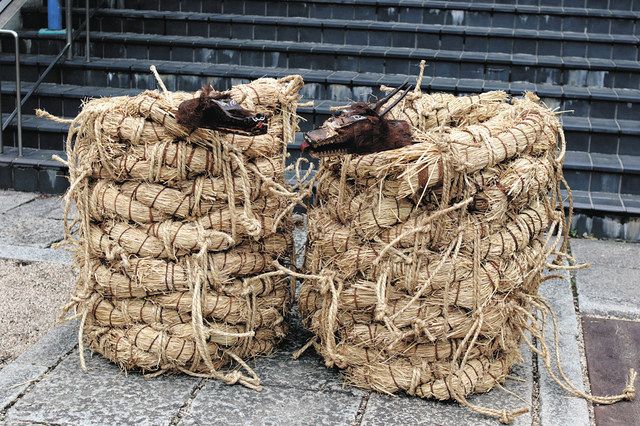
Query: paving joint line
34 382
362 408
20 205
26 262
186 405
535 389
610 317
581 349
50 246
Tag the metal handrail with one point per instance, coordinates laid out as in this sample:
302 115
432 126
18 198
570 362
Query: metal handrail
68 49
4 4
69 25
87 41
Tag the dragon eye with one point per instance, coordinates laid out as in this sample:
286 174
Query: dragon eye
258 118
232 102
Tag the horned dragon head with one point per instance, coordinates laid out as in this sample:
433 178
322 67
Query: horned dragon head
217 111
360 129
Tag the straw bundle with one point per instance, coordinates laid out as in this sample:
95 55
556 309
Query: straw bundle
178 231
423 263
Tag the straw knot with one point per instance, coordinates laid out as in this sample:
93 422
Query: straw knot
232 377
415 381
506 417
252 226
443 143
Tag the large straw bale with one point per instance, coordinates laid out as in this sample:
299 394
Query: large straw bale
178 232
423 263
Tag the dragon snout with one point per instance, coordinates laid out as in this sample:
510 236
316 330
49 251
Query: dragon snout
315 139
258 124
306 143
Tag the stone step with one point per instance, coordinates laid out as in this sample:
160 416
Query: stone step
465 38
601 5
622 104
35 171
586 171
443 63
618 17
609 136
605 202
597 172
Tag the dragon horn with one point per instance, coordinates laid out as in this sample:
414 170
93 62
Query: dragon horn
382 101
406 92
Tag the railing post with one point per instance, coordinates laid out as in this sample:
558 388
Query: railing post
1 141
68 15
18 95
87 41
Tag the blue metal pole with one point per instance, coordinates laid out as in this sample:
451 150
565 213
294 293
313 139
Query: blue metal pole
54 15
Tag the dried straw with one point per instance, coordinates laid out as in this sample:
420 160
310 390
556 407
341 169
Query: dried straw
178 230
424 263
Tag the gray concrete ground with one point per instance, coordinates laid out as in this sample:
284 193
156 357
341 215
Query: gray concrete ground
44 385
32 292
611 287
30 297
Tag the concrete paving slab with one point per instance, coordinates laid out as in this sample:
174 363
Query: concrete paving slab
612 347
557 407
404 410
14 380
30 231
12 199
603 253
30 300
103 395
55 345
34 254
609 291
610 286
217 403
307 372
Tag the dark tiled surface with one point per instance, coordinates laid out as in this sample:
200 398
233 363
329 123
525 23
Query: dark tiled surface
612 348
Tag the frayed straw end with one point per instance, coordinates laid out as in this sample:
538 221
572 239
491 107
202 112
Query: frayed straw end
154 71
418 88
629 391
44 114
297 354
60 159
507 417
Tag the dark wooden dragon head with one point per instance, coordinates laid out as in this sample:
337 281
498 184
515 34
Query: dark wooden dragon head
360 129
217 111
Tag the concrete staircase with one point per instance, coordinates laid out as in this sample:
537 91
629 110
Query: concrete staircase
578 55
